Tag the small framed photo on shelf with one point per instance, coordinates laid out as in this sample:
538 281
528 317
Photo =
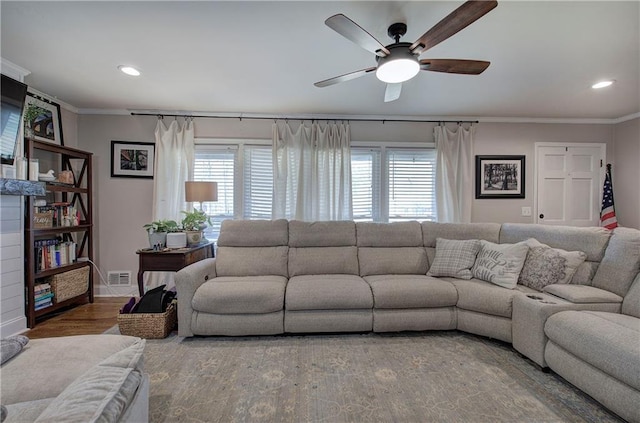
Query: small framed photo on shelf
500 176
132 159
42 119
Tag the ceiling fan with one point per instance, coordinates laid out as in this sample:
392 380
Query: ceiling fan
398 62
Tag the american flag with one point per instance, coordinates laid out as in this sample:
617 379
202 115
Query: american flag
608 213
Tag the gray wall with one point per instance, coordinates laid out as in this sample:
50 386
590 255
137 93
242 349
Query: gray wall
123 205
626 173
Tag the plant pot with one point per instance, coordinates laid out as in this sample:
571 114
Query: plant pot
158 239
176 240
194 237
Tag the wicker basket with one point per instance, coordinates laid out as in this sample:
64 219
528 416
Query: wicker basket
70 284
148 325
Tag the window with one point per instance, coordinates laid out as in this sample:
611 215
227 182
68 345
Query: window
411 184
217 164
245 182
392 184
389 184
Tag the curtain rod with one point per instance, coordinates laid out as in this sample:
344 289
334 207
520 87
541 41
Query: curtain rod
240 117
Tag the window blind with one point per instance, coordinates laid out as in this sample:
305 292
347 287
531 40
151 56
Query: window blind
411 184
258 182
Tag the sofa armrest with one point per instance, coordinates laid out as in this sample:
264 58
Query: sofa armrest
188 280
530 313
581 294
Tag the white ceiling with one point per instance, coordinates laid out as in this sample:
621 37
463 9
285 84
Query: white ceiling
263 57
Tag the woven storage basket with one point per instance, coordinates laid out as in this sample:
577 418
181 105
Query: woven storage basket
70 284
148 325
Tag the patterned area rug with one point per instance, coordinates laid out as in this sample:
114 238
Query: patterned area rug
409 377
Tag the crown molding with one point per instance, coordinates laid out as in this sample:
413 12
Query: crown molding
308 116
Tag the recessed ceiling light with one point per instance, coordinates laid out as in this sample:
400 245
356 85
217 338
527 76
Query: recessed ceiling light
129 70
601 84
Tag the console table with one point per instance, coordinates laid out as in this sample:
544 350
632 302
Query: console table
170 260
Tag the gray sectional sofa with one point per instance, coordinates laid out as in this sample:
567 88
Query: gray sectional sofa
274 277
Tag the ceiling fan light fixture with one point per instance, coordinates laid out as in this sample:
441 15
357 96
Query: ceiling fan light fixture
397 70
129 70
602 84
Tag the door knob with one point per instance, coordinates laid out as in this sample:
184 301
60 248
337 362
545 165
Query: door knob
541 216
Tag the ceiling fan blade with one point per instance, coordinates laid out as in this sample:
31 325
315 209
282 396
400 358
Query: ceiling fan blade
354 32
465 67
392 92
457 20
344 78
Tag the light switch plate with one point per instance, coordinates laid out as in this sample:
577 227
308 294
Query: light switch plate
526 211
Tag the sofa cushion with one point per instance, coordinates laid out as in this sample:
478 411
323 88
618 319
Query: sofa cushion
252 261
591 241
253 233
240 295
621 262
396 234
389 261
454 258
328 292
607 341
547 266
411 291
500 264
322 234
42 356
103 392
631 303
485 297
580 294
323 260
431 231
26 411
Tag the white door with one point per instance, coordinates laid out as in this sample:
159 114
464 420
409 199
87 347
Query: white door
568 183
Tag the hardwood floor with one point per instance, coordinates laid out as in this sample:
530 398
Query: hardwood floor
86 319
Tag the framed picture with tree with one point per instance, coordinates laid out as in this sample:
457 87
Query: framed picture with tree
500 176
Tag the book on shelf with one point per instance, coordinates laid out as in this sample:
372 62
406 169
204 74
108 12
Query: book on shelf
54 252
49 303
40 298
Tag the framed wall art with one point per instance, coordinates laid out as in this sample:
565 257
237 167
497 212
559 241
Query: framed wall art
132 159
500 176
42 119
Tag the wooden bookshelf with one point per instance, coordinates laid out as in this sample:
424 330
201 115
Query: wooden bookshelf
78 195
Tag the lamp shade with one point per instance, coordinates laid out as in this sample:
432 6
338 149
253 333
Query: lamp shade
201 191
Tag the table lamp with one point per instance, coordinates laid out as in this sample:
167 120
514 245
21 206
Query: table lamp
201 191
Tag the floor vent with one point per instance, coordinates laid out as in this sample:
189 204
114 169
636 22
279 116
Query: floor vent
119 278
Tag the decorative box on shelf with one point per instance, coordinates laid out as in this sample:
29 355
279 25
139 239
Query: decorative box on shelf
43 220
149 325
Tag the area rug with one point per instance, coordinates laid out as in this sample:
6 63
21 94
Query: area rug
410 377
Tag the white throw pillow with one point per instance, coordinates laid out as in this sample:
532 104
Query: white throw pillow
454 258
547 266
500 264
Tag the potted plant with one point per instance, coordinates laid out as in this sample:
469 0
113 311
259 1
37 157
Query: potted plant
158 232
194 223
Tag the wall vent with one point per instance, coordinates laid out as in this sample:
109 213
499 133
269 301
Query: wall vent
119 278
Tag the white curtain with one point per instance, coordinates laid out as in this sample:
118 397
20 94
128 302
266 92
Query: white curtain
173 165
454 173
312 172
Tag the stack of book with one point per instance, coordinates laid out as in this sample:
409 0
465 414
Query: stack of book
53 252
43 296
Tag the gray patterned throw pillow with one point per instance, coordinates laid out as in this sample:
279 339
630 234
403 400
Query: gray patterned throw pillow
547 266
454 258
